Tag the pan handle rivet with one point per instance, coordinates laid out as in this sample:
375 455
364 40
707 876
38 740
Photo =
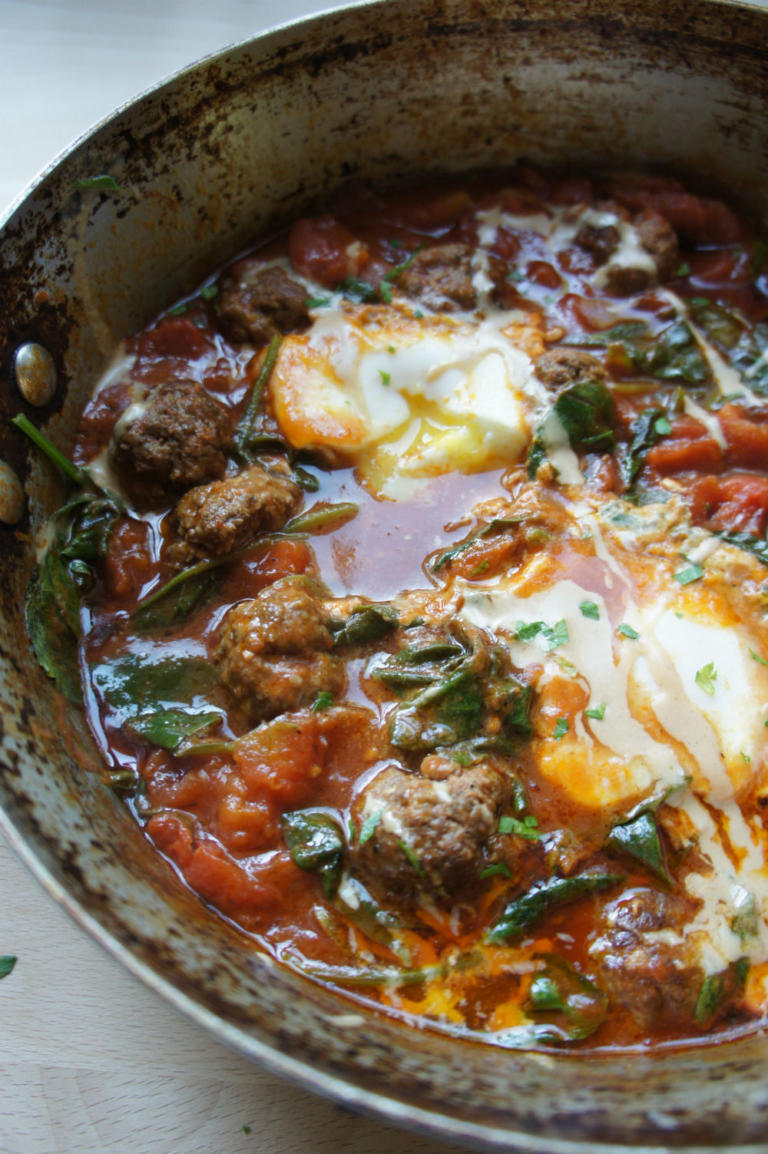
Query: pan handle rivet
35 371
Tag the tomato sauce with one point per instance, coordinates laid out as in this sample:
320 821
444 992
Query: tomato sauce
271 813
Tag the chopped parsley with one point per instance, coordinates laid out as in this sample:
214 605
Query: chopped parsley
692 572
625 630
412 857
499 869
210 292
551 636
756 656
323 700
317 302
596 712
386 378
527 827
101 183
7 962
683 270
706 677
590 609
561 728
369 825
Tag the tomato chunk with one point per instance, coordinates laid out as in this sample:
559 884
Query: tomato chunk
747 435
737 502
325 250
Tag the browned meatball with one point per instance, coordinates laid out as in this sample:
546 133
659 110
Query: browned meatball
180 438
655 976
563 367
441 277
256 302
273 650
658 239
599 240
216 518
432 828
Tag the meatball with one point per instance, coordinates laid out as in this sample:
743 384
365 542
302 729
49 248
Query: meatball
658 239
256 302
180 438
433 829
599 240
273 650
655 975
441 277
216 518
563 367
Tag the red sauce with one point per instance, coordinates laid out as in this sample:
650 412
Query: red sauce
214 805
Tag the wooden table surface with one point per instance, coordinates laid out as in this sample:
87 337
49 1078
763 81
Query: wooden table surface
91 1062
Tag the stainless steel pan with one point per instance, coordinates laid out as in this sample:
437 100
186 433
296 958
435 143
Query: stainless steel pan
381 91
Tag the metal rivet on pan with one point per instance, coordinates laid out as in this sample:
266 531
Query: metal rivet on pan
35 372
11 495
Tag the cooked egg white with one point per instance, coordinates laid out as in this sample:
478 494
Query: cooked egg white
672 702
407 397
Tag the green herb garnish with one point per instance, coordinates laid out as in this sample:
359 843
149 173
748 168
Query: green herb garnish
7 962
527 827
101 183
561 728
706 677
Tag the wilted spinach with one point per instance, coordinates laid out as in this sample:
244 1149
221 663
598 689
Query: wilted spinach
80 535
164 699
365 623
572 1005
585 412
639 839
448 685
527 908
673 354
316 843
646 429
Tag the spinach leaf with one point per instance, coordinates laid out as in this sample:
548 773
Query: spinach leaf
757 546
574 1007
169 728
449 686
529 907
141 683
52 625
672 354
494 528
639 839
81 532
645 433
585 411
322 518
243 447
316 843
718 989
176 600
366 623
